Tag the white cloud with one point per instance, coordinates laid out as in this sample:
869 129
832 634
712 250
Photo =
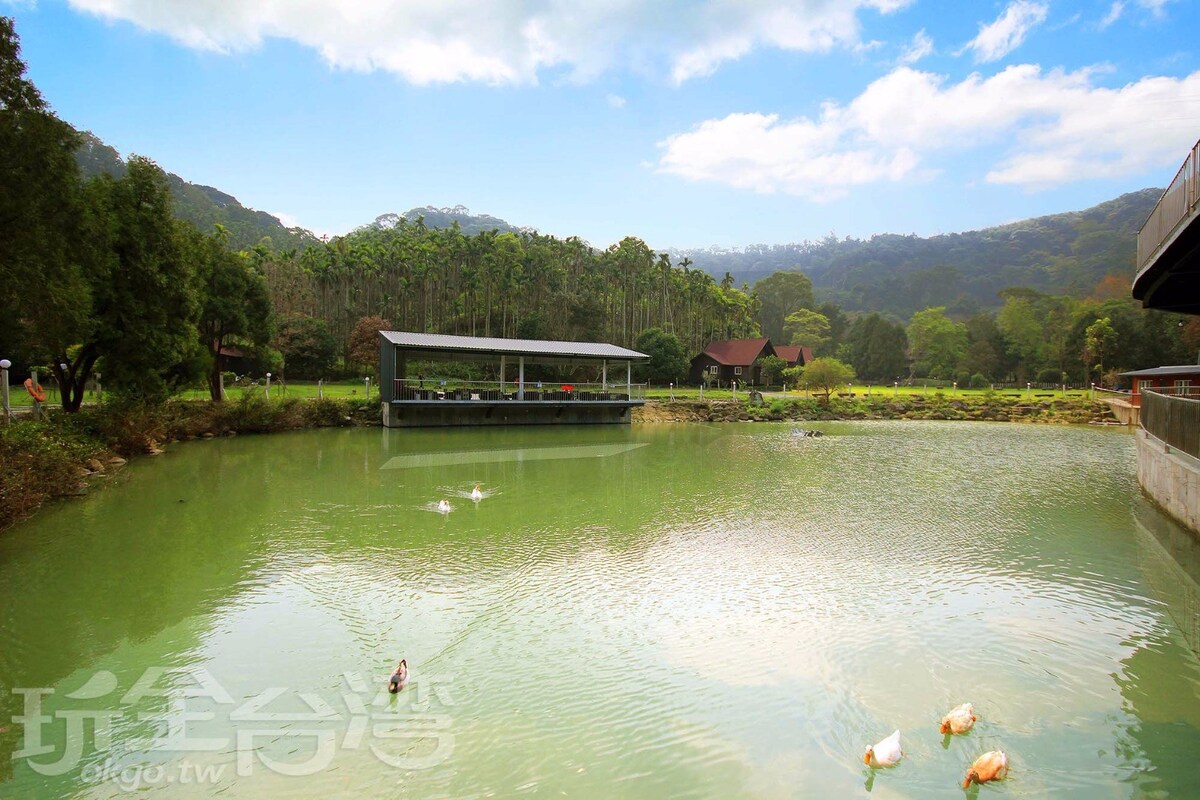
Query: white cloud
1114 14
290 221
511 42
1155 7
1001 37
1023 126
921 46
615 100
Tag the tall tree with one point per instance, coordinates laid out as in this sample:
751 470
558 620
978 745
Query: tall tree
668 360
146 301
937 343
364 343
877 348
43 293
308 348
807 328
1099 343
236 303
780 294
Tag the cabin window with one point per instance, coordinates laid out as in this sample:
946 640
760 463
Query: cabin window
714 368
737 370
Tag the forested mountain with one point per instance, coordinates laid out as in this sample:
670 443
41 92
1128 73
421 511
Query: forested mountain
1059 254
203 206
432 217
524 285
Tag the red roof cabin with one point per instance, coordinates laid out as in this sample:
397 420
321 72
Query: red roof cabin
1181 380
731 360
794 355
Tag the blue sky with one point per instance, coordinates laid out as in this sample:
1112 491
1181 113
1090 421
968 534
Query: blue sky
688 124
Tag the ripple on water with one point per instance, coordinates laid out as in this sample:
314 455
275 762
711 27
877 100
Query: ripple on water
722 612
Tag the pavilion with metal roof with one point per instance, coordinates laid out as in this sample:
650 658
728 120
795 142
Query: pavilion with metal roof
430 400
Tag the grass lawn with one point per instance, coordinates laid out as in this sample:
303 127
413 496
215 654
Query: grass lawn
21 399
301 389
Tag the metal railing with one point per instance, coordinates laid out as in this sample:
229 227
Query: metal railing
1173 418
1177 205
408 389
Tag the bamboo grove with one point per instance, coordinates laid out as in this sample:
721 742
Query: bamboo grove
525 285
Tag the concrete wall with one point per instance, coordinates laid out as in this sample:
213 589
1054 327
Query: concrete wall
459 414
1170 478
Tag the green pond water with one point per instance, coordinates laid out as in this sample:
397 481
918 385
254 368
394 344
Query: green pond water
646 611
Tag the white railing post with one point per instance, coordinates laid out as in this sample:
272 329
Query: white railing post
4 365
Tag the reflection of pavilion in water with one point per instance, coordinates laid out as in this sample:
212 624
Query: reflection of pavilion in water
519 454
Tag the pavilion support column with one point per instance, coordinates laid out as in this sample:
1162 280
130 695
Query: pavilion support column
604 375
521 377
629 380
502 374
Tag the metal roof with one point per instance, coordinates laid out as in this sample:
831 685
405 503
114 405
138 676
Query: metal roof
529 347
1185 369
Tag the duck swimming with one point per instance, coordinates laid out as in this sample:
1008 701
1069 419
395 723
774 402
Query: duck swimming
444 506
476 494
399 677
960 719
885 753
991 766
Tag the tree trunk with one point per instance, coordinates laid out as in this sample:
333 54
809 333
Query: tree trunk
73 381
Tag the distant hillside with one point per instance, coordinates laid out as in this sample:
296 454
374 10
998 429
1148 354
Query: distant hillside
468 223
203 206
1059 254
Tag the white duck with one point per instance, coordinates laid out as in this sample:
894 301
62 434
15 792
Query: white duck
960 719
444 506
476 494
885 753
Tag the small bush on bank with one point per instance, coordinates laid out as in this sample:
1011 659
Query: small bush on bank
327 412
39 460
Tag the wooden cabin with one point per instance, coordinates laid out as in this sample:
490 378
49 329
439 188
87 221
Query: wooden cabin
794 355
1181 380
731 360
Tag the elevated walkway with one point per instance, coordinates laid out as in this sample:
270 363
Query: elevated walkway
1168 246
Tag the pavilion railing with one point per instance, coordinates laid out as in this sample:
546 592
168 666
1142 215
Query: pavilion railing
1178 204
1174 419
425 389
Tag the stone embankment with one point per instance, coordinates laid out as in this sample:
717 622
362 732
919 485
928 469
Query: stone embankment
1065 411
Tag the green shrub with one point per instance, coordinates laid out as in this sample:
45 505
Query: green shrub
327 412
978 381
39 460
